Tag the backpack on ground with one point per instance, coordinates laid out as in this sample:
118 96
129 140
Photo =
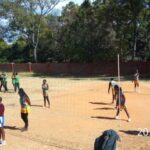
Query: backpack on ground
107 141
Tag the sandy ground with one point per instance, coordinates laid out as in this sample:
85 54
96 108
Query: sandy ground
80 112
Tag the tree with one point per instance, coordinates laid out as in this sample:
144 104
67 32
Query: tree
27 17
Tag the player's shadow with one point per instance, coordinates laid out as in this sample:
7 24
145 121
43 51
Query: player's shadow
12 128
106 118
99 103
36 105
101 117
134 132
104 108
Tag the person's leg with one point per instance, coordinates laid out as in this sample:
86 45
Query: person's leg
48 101
135 86
2 131
26 120
3 86
6 86
126 111
17 86
24 117
113 96
44 101
117 114
0 135
3 134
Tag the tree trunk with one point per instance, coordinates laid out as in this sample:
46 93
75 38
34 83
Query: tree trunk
35 54
36 42
134 41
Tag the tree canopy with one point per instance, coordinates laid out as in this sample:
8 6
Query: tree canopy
92 32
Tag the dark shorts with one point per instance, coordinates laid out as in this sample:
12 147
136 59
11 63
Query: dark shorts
120 103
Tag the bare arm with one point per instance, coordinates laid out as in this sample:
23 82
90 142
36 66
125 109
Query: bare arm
28 101
109 87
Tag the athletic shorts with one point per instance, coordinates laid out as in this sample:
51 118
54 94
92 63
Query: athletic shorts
25 110
1 121
136 82
120 103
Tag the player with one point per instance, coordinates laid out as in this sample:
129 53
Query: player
45 88
17 82
3 79
25 107
2 132
120 103
136 81
13 79
112 84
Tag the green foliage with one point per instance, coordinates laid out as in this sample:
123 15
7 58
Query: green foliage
91 32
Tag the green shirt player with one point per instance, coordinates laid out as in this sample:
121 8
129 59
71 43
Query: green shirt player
17 82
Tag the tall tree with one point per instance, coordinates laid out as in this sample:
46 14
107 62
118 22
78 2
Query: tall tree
27 17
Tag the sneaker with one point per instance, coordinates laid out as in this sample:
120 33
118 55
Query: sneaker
3 143
117 117
129 120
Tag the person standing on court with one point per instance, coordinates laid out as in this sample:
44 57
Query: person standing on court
13 79
2 132
120 102
25 107
136 81
45 89
4 81
17 82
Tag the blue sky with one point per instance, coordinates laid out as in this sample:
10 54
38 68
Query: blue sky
62 4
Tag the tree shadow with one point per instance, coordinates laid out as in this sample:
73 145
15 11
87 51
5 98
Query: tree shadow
12 128
104 108
37 105
100 103
135 132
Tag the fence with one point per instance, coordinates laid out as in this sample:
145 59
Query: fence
103 68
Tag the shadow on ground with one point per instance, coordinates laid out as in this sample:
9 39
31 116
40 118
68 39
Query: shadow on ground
136 133
104 108
99 103
37 105
106 118
12 128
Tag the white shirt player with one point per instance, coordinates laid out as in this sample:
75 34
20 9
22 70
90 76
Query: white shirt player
113 83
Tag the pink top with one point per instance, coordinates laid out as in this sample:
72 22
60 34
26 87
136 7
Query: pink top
2 109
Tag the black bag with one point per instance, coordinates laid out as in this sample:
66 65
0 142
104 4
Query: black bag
107 141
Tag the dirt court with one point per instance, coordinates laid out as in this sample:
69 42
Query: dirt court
80 112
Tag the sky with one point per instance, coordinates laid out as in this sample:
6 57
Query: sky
62 4
58 8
